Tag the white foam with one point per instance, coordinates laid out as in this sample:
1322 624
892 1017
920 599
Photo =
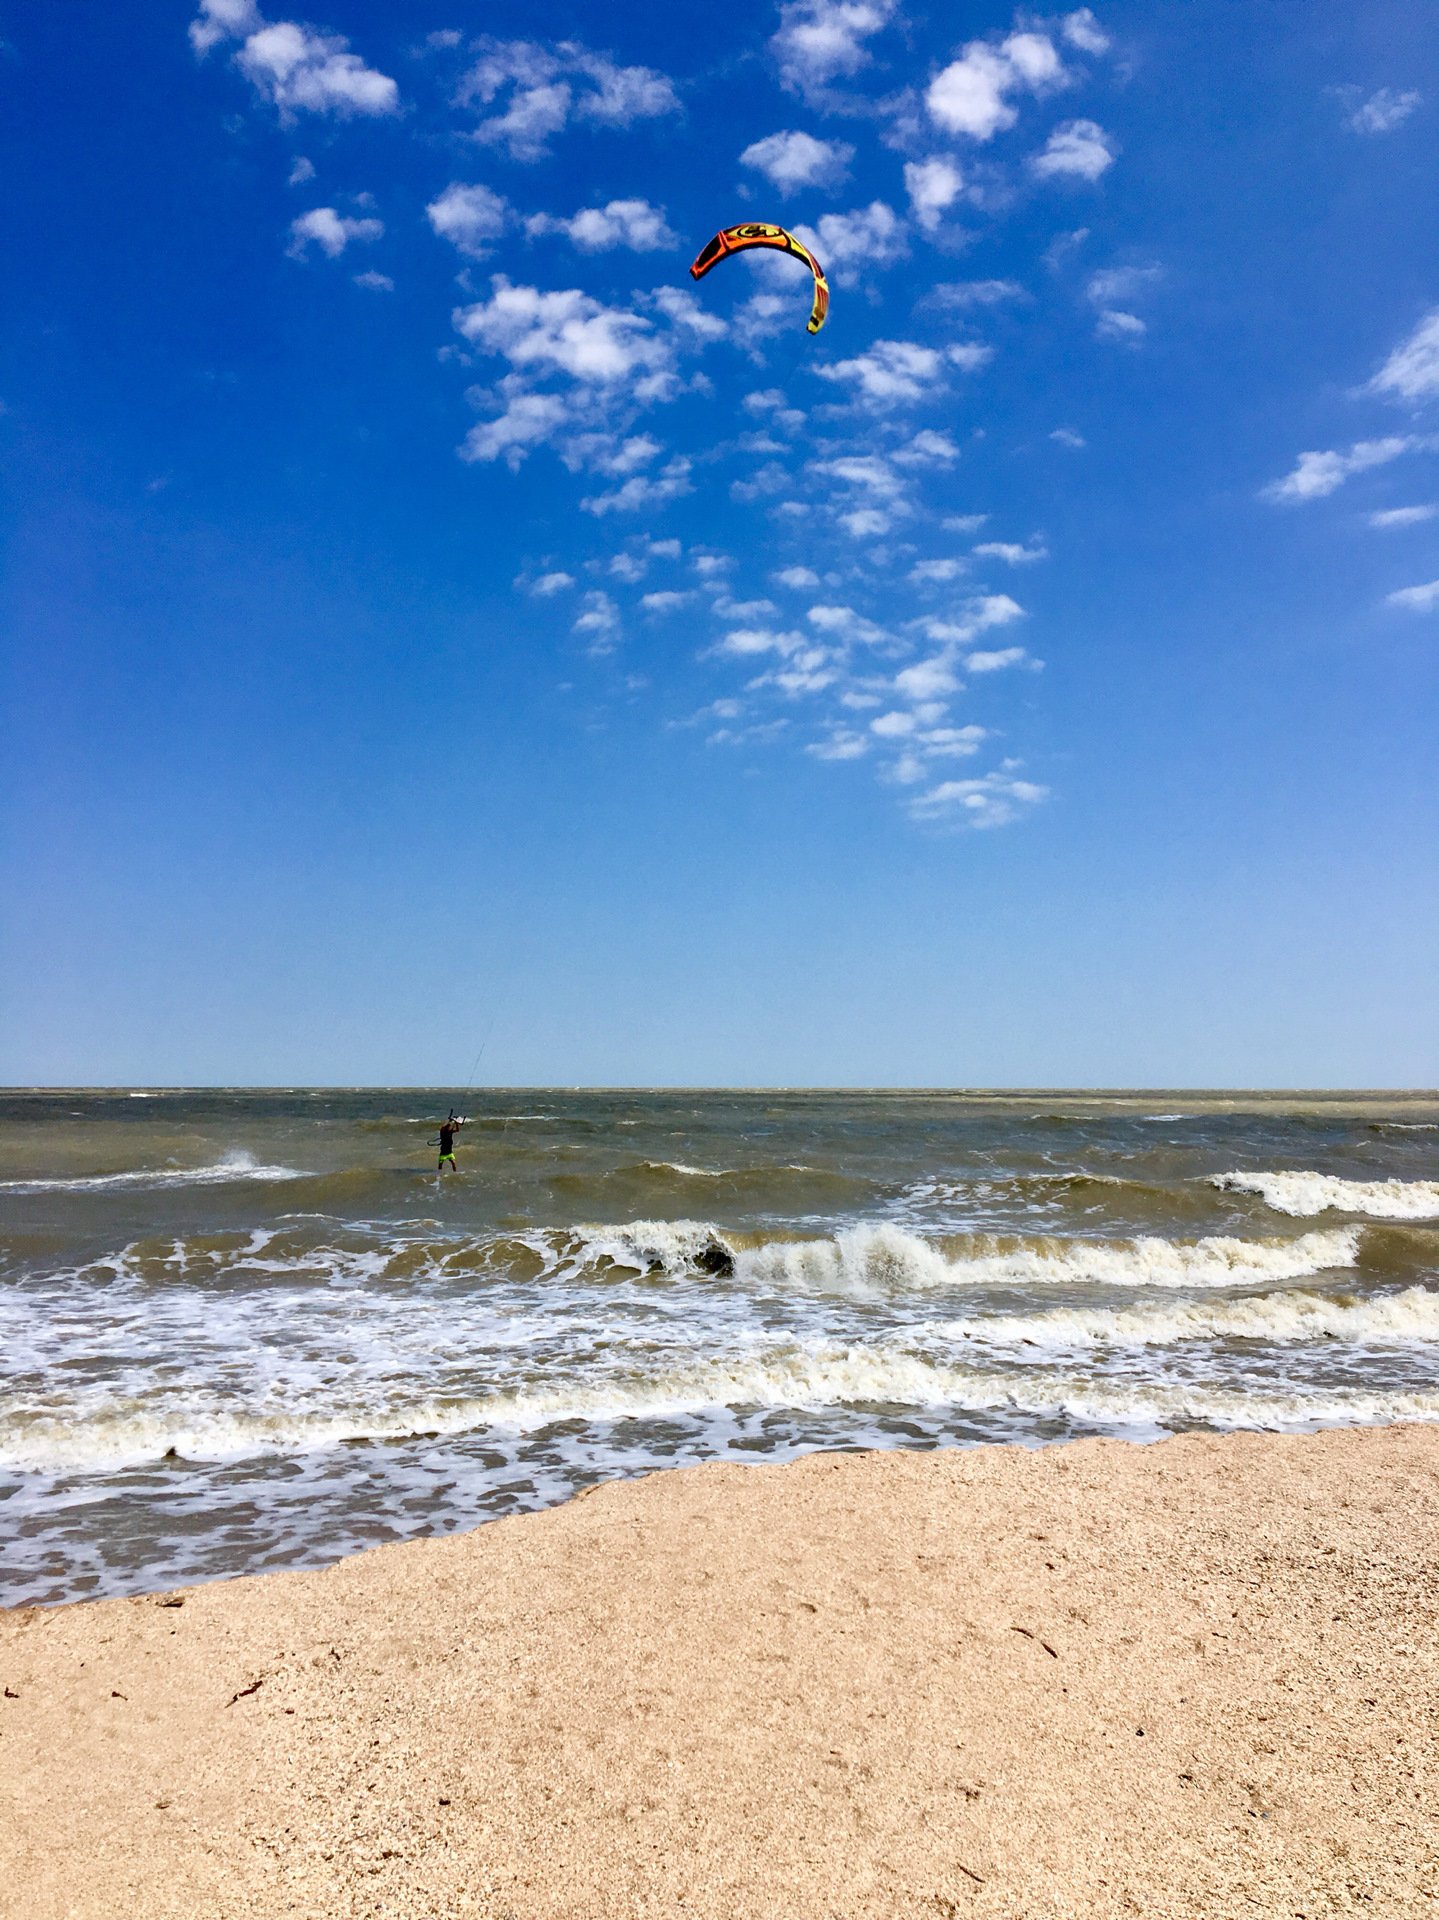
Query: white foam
1304 1194
888 1259
1384 1319
234 1166
793 1377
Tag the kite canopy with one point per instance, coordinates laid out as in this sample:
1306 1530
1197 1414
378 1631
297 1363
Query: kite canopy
756 234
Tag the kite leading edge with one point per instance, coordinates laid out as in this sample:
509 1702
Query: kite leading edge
756 233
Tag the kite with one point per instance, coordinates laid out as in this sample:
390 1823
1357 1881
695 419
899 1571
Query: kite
757 234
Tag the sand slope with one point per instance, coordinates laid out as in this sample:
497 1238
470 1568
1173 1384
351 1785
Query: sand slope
1197 1679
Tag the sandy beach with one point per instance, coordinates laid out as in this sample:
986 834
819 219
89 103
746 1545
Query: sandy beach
1191 1679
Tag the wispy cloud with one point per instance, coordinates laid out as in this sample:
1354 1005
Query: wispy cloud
1318 474
1404 516
896 372
1416 599
992 800
544 87
821 41
1412 371
1380 111
933 187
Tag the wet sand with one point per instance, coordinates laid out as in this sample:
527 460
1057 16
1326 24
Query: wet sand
1195 1679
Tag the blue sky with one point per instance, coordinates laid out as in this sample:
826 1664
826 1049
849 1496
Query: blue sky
428 614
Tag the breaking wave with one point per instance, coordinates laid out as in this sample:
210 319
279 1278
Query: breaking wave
234 1166
1382 1319
1303 1194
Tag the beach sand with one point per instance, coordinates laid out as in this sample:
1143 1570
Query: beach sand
1191 1679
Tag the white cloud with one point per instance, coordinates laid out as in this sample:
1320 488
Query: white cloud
1115 324
1082 30
550 584
993 800
994 662
841 744
928 679
964 522
892 372
931 572
1403 516
797 577
865 523
549 85
565 330
622 223
1318 474
293 67
975 293
302 171
526 420
933 187
868 470
823 40
600 617
1079 150
1012 555
971 95
1382 111
927 448
644 490
666 602
1416 599
331 232
375 282
793 160
684 311
1412 370
845 243
978 616
1113 284
1067 437
748 641
470 217
728 609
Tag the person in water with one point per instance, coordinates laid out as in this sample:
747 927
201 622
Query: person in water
448 1129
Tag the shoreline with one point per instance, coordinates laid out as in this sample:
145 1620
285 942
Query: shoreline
1192 1678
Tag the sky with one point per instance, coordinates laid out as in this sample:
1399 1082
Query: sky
438 636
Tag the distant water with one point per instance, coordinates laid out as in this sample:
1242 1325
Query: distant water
242 1331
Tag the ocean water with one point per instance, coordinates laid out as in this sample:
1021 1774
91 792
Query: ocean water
249 1330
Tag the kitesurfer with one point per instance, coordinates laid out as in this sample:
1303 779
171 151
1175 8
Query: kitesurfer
448 1129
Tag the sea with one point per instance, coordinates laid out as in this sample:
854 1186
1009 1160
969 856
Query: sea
246 1330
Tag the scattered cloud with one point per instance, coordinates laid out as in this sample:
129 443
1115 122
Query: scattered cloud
1012 555
1316 475
667 601
1404 516
797 578
1416 599
964 294
894 372
375 282
565 330
995 662
820 41
972 94
790 161
1079 150
622 223
927 448
934 572
1067 437
469 217
549 584
545 87
1115 324
645 490
296 69
992 800
302 171
1412 370
933 187
600 618
846 243
1378 112
331 232
1082 30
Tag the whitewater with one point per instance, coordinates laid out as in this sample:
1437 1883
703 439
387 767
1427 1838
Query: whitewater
244 1330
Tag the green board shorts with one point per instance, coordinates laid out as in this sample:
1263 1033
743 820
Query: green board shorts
444 1159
